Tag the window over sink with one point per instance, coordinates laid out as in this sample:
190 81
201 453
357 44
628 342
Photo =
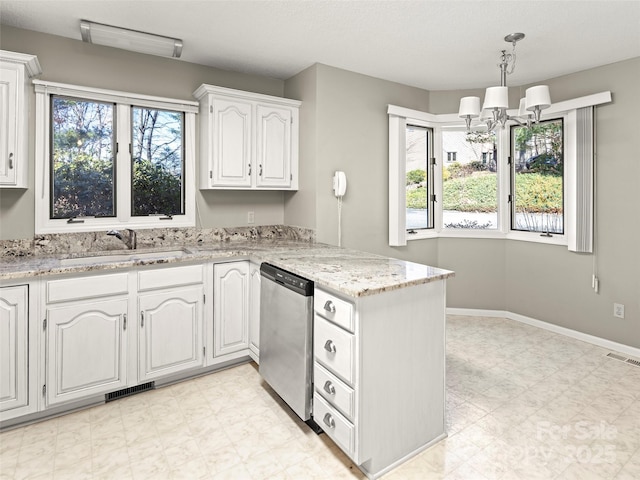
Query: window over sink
108 159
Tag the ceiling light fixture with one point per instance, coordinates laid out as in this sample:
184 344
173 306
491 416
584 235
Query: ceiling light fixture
496 99
126 39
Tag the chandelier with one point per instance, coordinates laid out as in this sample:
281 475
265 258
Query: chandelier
496 99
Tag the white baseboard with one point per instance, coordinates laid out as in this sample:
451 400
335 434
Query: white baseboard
600 342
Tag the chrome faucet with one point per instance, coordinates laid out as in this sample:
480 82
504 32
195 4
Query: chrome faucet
131 240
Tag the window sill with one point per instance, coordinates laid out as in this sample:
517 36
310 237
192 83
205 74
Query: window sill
422 235
97 224
486 234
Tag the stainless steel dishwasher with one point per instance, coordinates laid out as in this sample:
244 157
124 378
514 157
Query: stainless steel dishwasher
286 357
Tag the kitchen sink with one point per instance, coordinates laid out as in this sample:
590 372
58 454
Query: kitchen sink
133 256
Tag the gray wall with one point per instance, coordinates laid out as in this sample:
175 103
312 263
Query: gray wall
72 61
300 206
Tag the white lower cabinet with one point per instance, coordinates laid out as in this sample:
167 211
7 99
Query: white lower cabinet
379 373
170 335
87 349
111 331
254 311
14 347
231 307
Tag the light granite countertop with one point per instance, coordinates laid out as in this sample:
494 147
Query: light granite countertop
351 272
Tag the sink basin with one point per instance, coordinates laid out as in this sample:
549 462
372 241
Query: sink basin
123 257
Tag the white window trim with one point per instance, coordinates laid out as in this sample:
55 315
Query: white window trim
400 116
124 219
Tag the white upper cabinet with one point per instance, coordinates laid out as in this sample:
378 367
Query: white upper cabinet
15 70
229 142
247 140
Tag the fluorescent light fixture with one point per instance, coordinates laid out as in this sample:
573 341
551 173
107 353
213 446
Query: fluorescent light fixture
126 39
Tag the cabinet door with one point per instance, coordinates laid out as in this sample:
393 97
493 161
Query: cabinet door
273 146
170 332
10 118
231 143
254 312
13 347
231 307
87 349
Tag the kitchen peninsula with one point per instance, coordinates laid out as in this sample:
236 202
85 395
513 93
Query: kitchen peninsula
379 395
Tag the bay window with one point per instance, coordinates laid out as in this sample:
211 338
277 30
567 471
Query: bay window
531 183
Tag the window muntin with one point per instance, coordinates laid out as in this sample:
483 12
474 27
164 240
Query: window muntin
537 178
157 162
419 178
470 184
83 167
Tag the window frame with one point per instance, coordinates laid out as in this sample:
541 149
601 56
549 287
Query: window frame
511 165
475 232
123 164
567 110
430 179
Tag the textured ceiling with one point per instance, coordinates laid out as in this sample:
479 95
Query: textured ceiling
432 44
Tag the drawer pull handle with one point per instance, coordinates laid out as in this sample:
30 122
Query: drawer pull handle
329 421
330 347
11 161
330 389
330 307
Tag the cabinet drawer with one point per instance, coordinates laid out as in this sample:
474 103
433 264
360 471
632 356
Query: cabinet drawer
334 348
334 424
334 390
334 309
87 287
170 277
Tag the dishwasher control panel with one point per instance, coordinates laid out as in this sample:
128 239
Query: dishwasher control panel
287 279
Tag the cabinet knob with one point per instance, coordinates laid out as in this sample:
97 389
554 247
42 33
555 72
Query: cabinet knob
329 306
11 160
329 421
329 388
329 346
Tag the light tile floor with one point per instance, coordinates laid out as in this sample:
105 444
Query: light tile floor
523 403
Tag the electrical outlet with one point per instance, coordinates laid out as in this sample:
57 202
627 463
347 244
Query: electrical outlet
250 217
618 310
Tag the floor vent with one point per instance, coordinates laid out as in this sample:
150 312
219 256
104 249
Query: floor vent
633 362
127 392
630 361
